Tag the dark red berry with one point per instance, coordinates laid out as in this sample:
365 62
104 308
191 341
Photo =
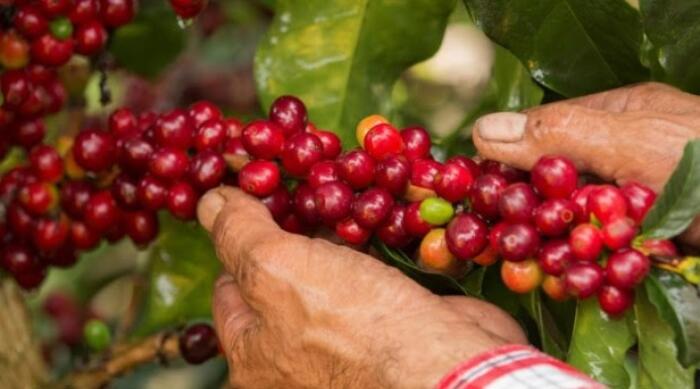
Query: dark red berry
615 301
82 236
351 232
639 198
372 207
141 226
53 8
416 142
554 177
607 203
198 344
289 113
94 150
51 51
510 173
518 242
182 201
618 233
467 236
413 222
123 124
555 256
29 133
453 182
124 189
259 178
90 38
234 128
356 168
301 151
626 268
50 234
174 129
31 279
331 143
423 172
517 203
263 139
495 235
586 242
382 141
333 201
204 111
207 170
393 174
392 231
64 257
279 203
659 247
101 211
46 163
30 22
169 163
74 196
18 259
467 163
134 155
323 172
152 193
554 217
210 135
116 232
485 195
188 9
292 223
116 13
580 198
583 279
38 198
84 10
305 205
19 221
15 87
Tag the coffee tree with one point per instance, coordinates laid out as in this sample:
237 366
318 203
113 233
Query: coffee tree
113 127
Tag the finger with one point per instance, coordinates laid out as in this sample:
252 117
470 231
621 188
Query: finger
489 317
650 96
232 316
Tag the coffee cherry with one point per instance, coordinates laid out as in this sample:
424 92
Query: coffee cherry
64 257
626 268
18 259
413 222
116 231
83 237
51 51
382 141
485 195
279 203
521 277
263 139
323 172
116 13
487 257
331 143
305 205
14 51
182 201
210 135
141 226
198 344
29 133
94 150
259 178
510 173
30 22
90 38
467 163
453 182
152 193
618 233
554 177
50 234
372 207
135 155
393 174
615 301
204 111
74 196
351 232
467 236
174 129
207 170
583 279
289 113
38 198
54 8
518 242
333 201
607 203
31 279
124 190
392 231
586 242
301 151
356 168
495 235
434 255
101 211
423 172
555 288
555 256
416 142
169 163
292 223
235 154
554 217
123 124
83 11
517 203
580 198
46 163
658 247
639 198
15 86
436 211
367 124
97 335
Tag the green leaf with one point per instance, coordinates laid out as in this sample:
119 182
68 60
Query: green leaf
673 30
573 47
679 203
678 303
658 367
149 43
342 57
599 344
552 339
181 277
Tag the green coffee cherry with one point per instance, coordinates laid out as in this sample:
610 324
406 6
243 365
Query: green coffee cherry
61 28
436 211
97 335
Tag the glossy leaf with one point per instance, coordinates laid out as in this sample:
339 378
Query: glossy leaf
678 303
599 344
342 57
658 367
181 277
572 47
552 340
673 30
679 203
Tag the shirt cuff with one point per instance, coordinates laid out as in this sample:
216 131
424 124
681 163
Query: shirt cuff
514 367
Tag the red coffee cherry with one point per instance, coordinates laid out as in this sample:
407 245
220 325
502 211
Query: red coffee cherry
583 279
38 198
372 207
518 242
53 8
382 141
356 167
94 150
586 242
83 11
174 129
580 198
639 198
417 143
301 151
259 178
90 38
182 201
207 170
46 163
152 193
331 143
15 86
74 196
351 232
485 195
333 201
413 222
135 155
124 191
82 236
615 301
392 231
49 234
423 172
554 217
204 111
555 256
210 135
453 182
50 51
626 268
123 124
263 139
141 226
554 177
517 203
468 163
169 163
198 344
618 233
393 174
510 173
305 205
116 13
101 211
607 203
30 22
279 203
289 113
323 172
467 236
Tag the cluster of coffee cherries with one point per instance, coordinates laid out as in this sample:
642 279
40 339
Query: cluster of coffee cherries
41 36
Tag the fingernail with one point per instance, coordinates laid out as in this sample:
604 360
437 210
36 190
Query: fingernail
209 207
507 127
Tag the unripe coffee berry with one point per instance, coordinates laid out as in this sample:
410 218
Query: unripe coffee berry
521 277
436 211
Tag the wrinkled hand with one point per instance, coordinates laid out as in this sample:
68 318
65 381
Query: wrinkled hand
300 312
636 133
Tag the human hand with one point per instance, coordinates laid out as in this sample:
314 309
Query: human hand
636 133
299 312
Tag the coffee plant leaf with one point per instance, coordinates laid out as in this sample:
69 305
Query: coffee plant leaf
182 270
679 202
342 57
599 344
551 337
571 47
678 303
